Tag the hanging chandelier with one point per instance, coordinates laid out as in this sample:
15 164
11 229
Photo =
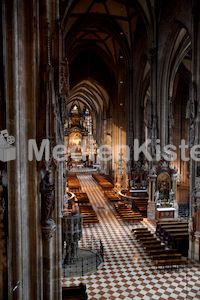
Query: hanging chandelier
121 165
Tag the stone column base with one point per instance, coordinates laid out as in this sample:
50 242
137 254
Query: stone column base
48 233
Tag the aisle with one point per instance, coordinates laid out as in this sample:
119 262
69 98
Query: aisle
127 272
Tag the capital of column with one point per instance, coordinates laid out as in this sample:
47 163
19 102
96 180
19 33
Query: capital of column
152 177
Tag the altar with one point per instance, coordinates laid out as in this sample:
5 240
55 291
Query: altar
165 213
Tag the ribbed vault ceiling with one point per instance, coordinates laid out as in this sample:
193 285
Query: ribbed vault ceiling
89 94
106 28
106 24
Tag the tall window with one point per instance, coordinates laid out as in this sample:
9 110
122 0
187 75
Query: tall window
88 122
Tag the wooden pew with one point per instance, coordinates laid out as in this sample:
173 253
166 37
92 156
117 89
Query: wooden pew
74 292
161 256
112 196
166 256
104 183
165 229
168 223
139 229
168 232
180 242
82 198
148 238
145 234
89 215
126 213
171 262
150 242
176 234
162 251
155 247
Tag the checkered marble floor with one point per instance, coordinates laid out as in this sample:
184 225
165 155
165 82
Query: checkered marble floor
128 273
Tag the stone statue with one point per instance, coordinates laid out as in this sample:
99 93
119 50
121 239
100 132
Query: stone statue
157 194
48 199
148 117
153 170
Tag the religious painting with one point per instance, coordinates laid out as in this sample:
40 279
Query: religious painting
75 139
75 121
164 185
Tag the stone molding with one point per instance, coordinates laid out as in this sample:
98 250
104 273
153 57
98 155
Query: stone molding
48 231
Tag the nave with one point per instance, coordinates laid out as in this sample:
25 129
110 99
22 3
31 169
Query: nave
128 272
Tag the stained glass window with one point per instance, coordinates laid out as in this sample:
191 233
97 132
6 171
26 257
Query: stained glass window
88 122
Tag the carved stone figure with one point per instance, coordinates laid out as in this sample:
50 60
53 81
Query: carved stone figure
148 117
153 170
157 195
48 199
190 115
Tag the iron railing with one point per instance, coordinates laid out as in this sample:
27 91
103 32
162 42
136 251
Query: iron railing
88 264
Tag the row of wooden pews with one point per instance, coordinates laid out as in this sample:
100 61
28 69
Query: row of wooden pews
86 209
140 205
89 215
82 198
126 214
139 201
73 183
74 292
165 258
112 196
103 182
176 234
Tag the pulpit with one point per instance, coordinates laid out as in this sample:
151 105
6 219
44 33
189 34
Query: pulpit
71 234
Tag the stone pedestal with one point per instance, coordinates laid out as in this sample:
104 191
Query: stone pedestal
151 211
48 233
152 184
191 239
174 184
176 209
151 208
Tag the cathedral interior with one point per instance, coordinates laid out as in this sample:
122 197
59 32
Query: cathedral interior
99 149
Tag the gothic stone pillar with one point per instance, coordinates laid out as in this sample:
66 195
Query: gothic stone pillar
174 189
48 233
151 208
